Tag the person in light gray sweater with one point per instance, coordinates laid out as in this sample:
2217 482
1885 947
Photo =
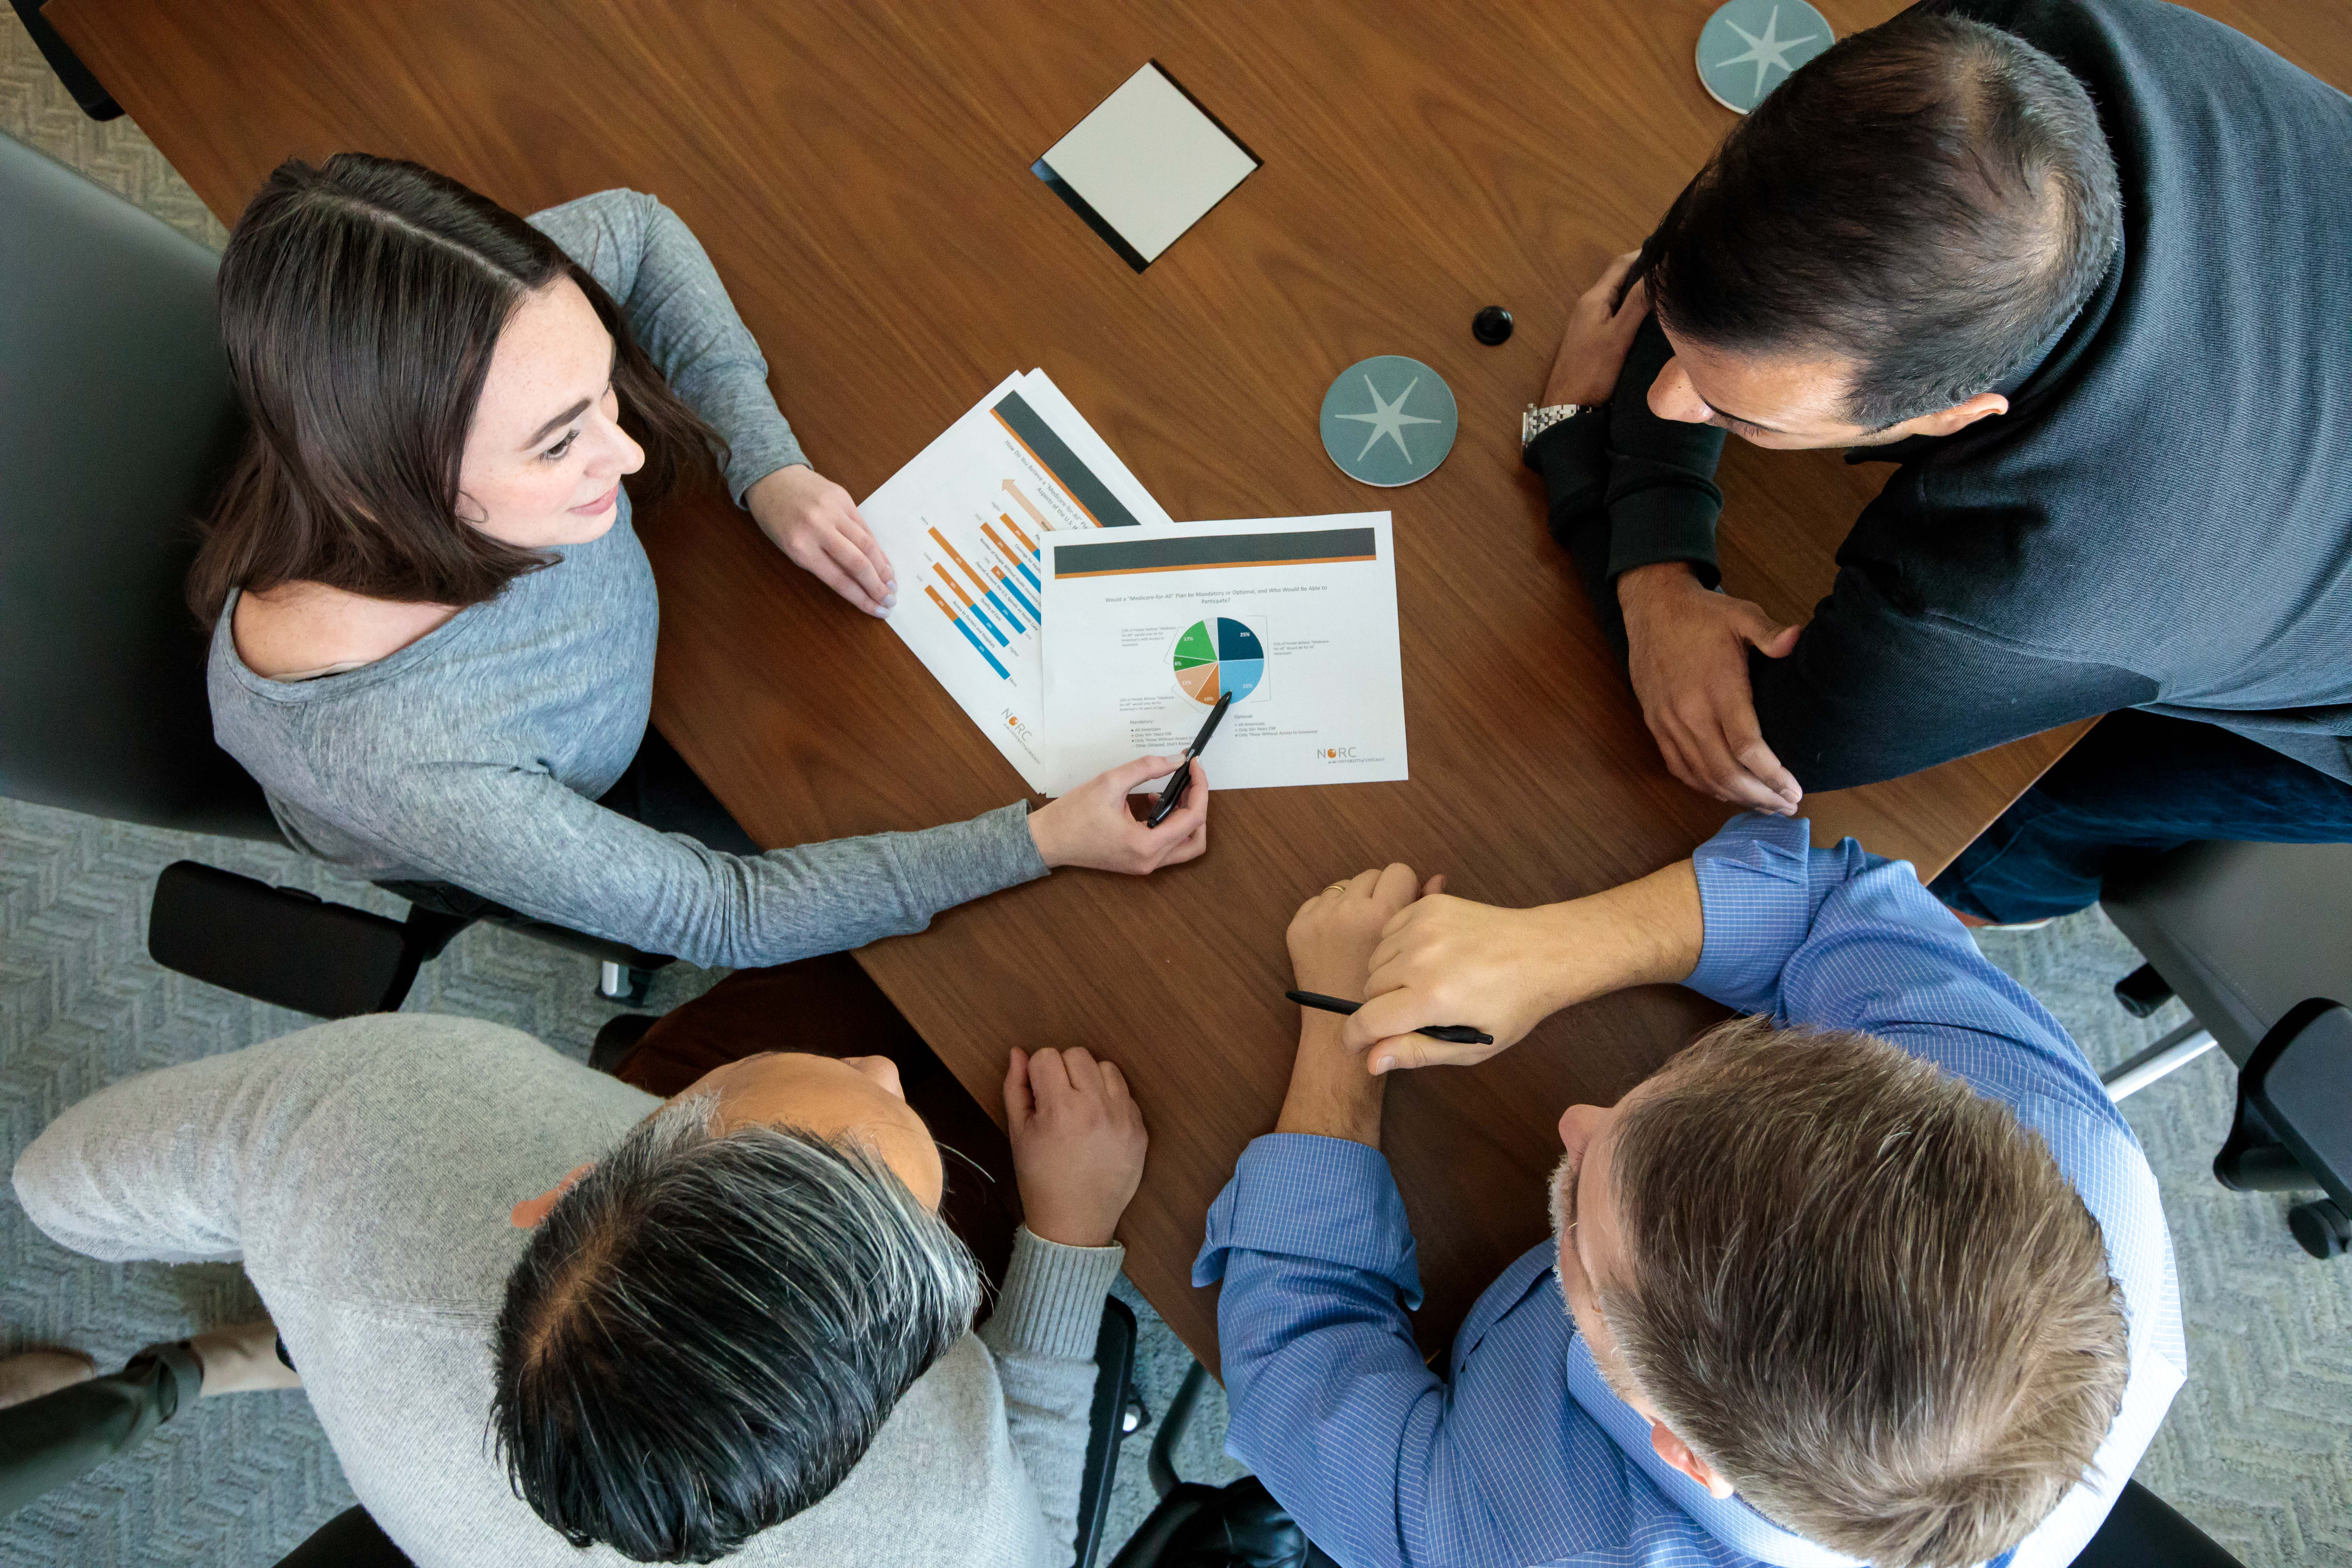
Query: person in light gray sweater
434 624
729 1323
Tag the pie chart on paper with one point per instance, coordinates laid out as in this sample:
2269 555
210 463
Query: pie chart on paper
1217 657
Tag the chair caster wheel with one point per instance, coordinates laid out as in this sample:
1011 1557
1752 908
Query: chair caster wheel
2321 1227
617 983
1135 1417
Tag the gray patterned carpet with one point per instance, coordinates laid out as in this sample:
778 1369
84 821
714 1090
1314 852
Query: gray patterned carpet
2257 1449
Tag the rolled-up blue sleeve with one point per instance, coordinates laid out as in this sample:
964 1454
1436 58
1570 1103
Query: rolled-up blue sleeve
1332 1405
1842 939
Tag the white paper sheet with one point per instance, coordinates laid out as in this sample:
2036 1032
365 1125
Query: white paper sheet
962 525
1297 615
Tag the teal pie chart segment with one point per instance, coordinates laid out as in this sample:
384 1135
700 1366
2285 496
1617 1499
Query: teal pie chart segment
1750 47
1389 420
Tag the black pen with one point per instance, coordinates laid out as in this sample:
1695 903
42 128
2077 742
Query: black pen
1178 782
1453 1034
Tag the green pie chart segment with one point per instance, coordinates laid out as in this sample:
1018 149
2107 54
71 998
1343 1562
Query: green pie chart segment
1195 647
1216 657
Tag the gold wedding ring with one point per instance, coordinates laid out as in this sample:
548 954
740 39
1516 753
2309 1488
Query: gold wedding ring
1336 888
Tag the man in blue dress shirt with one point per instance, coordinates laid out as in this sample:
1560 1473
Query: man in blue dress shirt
1877 1275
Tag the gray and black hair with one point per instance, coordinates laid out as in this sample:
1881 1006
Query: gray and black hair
707 1331
1933 199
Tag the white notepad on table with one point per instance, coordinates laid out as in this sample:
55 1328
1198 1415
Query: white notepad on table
1147 164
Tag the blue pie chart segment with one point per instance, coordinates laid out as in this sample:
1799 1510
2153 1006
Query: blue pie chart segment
1241 658
1235 640
1241 676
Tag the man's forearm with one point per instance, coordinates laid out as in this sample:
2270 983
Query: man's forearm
1649 931
1331 1095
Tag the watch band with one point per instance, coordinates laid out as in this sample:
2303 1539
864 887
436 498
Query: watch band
1536 421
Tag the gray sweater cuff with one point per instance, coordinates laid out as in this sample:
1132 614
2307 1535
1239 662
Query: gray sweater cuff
753 454
961 861
1051 1303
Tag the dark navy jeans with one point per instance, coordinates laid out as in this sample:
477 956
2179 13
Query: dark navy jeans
2139 782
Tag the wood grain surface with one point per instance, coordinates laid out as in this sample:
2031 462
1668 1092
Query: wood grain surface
860 175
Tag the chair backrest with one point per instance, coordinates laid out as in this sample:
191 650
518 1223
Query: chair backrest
2241 932
351 1539
2143 1530
116 421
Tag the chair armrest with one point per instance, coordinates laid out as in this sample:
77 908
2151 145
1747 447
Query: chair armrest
1114 1375
278 945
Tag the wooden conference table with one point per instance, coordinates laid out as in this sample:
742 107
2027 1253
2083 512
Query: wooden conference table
860 175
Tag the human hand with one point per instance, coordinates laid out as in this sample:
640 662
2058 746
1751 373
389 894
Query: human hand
813 520
1092 825
1078 1144
1451 961
1689 653
1600 330
1332 936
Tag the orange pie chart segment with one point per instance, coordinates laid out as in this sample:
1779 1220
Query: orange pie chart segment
1199 682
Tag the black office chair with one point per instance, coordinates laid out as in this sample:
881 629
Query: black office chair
1195 1525
95 101
2142 1531
351 1539
116 421
2254 938
1107 1424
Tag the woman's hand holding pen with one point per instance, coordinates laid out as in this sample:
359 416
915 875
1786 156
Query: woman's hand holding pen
1093 827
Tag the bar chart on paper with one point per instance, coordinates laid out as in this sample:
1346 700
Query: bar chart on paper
990 595
965 521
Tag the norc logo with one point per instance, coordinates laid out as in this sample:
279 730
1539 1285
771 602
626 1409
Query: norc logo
1335 754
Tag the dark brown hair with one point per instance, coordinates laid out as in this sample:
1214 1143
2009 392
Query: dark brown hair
1932 199
359 303
1864 1293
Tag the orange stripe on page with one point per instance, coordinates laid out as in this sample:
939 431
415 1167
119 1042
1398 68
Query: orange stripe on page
1042 468
1000 544
1026 542
977 580
942 604
954 587
1035 517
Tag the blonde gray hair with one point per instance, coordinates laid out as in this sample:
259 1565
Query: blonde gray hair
1864 1293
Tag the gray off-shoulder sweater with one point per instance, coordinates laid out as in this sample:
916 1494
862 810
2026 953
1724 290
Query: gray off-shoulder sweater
476 755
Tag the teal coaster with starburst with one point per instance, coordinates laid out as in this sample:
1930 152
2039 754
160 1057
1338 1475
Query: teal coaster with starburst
1749 47
1389 420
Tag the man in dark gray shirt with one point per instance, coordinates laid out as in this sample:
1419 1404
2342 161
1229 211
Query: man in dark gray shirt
2082 268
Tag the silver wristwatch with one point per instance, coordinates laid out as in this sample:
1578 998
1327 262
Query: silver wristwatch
1536 421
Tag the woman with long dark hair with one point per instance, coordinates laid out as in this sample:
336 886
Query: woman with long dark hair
432 625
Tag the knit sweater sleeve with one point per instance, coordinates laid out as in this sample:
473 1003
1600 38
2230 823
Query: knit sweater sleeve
1042 1337
657 272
